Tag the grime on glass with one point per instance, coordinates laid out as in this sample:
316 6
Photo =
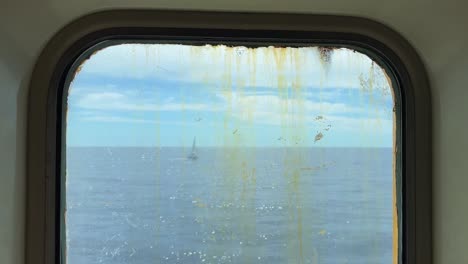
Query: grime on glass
178 153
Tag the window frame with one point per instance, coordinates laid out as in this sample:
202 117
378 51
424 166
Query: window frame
77 41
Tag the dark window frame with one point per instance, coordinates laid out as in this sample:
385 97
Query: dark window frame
73 44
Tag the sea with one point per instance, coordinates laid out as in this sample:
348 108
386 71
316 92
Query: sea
229 205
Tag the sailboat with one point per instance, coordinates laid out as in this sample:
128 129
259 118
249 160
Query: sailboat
193 154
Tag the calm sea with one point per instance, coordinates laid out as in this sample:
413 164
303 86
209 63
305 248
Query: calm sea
231 205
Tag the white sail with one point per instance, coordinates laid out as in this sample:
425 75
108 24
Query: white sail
193 154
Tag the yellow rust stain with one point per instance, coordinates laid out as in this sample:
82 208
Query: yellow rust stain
239 62
284 67
377 79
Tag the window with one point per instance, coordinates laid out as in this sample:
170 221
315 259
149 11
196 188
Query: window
196 145
179 153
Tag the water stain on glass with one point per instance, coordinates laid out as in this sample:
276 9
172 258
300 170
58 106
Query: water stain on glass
230 154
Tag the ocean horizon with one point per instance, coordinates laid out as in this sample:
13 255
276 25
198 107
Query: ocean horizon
229 205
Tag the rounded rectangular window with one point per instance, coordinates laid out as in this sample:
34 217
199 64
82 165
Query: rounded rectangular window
212 153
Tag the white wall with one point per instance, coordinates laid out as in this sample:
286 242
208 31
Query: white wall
436 29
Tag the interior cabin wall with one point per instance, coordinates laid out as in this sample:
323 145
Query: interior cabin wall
436 29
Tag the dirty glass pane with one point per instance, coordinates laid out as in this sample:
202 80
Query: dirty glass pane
229 154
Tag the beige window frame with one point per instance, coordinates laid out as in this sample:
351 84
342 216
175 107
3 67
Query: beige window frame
74 43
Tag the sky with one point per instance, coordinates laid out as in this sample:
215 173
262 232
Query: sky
168 94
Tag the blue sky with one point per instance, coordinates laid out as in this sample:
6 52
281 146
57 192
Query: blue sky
165 95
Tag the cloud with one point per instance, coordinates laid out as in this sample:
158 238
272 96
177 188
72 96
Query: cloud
369 124
259 105
115 101
311 119
116 119
271 110
112 118
266 109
